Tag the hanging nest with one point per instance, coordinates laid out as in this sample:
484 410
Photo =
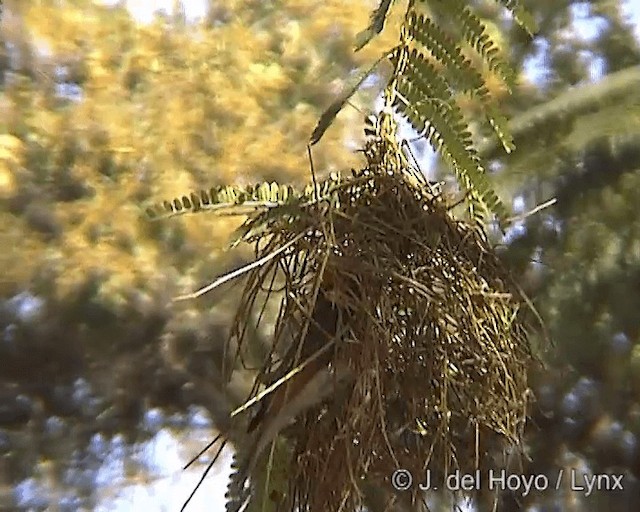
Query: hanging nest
417 305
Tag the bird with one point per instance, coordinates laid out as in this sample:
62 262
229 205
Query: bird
314 383
321 331
316 388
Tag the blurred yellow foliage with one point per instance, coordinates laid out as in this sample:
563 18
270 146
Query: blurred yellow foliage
164 109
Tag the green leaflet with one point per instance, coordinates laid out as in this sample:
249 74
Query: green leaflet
521 15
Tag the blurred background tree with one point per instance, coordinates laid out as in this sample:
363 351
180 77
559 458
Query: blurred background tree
100 114
576 127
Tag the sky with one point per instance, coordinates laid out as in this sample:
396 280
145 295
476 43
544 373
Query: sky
143 10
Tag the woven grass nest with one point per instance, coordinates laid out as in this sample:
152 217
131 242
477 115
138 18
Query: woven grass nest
423 313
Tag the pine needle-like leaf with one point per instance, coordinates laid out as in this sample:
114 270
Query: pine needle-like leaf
348 90
378 17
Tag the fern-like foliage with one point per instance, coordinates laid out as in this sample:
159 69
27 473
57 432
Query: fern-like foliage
266 204
237 495
430 69
226 200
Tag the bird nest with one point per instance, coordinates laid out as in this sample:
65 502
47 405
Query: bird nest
424 315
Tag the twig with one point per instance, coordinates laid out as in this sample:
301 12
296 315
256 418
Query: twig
238 272
538 208
282 380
